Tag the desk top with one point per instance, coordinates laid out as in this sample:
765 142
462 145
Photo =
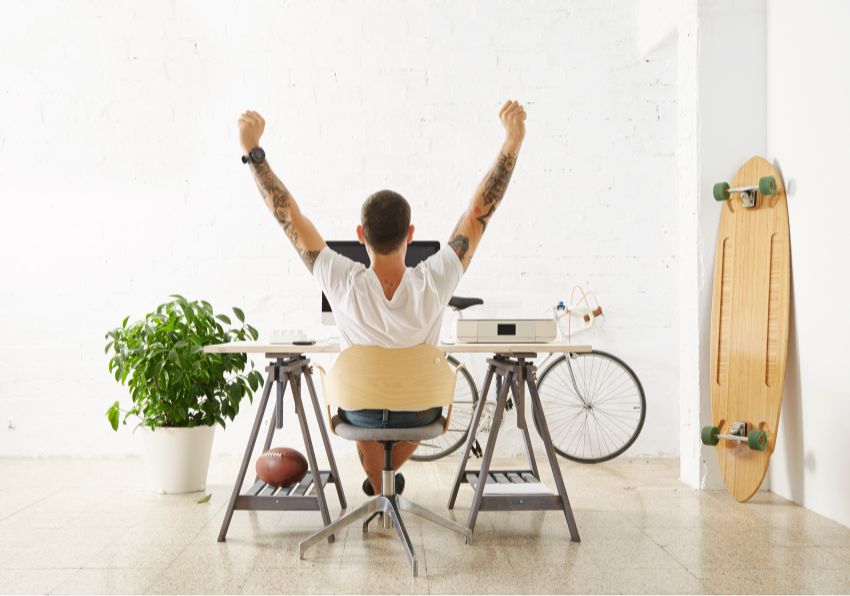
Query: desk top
250 347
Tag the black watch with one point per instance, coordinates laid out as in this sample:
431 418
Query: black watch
255 155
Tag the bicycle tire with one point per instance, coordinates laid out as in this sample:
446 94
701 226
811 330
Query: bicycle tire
466 396
559 427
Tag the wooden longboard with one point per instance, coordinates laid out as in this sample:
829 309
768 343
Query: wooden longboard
749 325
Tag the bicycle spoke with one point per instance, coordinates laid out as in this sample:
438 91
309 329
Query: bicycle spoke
616 428
603 381
626 382
599 378
614 380
608 444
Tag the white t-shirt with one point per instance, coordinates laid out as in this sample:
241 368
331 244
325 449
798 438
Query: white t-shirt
362 312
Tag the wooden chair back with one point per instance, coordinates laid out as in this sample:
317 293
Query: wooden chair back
398 379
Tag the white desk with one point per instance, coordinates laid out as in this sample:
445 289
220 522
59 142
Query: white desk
512 367
250 347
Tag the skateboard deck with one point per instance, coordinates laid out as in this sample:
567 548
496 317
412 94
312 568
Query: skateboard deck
749 324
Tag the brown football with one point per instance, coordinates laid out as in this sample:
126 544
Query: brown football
281 466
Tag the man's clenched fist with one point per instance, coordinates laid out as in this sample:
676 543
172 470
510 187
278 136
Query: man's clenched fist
512 116
251 126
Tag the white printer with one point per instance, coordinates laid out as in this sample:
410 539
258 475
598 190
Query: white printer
485 331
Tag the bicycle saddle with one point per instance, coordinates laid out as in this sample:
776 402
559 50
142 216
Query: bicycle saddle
459 302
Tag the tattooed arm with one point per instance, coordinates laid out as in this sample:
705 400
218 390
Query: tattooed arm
298 228
469 229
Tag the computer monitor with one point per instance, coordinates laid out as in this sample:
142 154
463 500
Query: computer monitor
417 251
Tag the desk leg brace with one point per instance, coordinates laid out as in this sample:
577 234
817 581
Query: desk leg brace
308 447
473 428
280 375
325 440
246 459
514 376
553 458
501 400
518 390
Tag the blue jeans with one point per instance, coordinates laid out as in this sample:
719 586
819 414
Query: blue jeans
377 419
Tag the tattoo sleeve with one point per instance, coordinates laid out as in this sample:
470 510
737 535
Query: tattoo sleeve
283 207
459 244
473 222
498 178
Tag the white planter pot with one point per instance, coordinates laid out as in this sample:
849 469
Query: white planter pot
178 458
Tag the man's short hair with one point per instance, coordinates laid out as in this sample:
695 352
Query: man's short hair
385 217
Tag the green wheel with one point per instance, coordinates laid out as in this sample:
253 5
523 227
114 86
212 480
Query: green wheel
721 191
709 435
767 185
757 440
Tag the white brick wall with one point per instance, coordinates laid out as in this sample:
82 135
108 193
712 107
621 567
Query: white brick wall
120 180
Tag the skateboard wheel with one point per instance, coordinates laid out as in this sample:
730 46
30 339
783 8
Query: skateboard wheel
709 435
721 191
767 185
757 440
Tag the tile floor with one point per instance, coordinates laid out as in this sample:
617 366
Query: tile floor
75 526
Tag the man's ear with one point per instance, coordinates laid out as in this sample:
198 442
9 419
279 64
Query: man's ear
410 234
360 237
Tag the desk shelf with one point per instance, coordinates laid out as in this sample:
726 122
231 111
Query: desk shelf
503 477
300 496
519 501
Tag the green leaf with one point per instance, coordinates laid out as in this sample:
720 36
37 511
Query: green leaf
205 499
112 414
223 319
124 322
239 314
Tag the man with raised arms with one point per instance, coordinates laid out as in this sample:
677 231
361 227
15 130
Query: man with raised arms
388 304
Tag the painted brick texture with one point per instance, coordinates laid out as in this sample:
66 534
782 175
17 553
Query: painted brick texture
121 182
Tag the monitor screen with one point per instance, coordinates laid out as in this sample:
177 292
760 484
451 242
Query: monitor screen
417 251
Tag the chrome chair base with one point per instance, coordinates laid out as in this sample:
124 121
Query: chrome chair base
390 506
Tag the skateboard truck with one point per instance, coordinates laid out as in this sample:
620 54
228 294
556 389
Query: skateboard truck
766 187
739 432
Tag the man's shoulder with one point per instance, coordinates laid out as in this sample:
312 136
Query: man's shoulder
339 263
444 262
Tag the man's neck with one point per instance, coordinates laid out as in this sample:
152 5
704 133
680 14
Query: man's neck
389 269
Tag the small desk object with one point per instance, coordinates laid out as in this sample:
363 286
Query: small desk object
512 368
288 366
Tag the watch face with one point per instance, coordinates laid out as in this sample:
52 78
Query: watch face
258 155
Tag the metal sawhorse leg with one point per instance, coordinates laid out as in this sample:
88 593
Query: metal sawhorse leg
308 494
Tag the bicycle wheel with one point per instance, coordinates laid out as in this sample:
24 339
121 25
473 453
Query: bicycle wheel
594 406
466 396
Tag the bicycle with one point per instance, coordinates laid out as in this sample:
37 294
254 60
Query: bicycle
594 402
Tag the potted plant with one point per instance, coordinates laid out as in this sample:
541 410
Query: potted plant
178 392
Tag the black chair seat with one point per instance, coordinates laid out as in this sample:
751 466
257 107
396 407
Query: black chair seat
459 302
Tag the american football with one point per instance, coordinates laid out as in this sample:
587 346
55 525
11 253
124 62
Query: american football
281 466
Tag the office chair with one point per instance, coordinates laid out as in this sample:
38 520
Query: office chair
407 379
